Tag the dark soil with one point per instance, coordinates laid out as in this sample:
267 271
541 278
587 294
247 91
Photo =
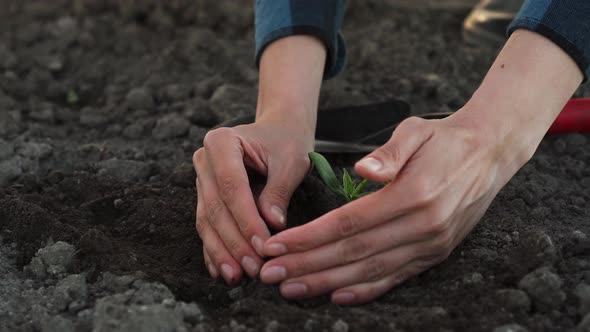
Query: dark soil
102 104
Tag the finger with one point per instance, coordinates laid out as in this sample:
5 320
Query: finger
369 291
348 220
225 155
208 263
210 267
219 256
217 253
385 163
219 218
199 219
403 231
283 179
367 270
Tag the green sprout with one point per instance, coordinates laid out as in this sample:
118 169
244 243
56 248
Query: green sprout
72 97
349 188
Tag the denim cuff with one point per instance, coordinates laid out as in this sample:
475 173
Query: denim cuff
565 22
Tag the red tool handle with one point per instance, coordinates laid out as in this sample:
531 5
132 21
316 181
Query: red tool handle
575 117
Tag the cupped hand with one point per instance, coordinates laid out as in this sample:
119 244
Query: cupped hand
230 222
444 174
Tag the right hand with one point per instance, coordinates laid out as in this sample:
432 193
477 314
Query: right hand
231 224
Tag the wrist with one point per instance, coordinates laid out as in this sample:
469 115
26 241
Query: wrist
299 120
522 94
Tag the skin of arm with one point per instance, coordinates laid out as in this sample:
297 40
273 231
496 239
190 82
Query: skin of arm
231 223
291 71
363 249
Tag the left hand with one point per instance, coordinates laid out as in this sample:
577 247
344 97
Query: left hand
444 174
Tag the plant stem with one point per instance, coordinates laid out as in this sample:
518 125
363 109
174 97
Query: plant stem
359 188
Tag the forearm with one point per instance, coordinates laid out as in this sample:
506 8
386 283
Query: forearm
291 71
522 94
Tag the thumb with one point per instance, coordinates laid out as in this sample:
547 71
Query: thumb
386 162
282 180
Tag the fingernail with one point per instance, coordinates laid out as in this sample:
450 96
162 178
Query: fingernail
250 266
343 297
273 274
294 290
371 164
257 244
228 273
276 249
212 271
278 213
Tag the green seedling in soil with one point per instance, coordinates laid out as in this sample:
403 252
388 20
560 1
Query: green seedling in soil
72 97
349 188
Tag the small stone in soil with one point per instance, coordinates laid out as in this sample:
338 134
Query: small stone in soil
484 254
56 323
114 129
140 99
402 87
584 325
183 175
582 294
36 268
207 87
43 113
176 92
236 293
199 112
229 101
191 312
67 290
58 254
340 326
34 150
6 149
7 58
10 170
169 126
311 325
203 327
118 203
544 288
117 284
234 326
95 241
134 131
511 328
115 317
272 326
129 170
514 300
576 243
473 278
151 293
10 123
92 117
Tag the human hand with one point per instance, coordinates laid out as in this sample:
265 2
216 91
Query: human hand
229 221
444 174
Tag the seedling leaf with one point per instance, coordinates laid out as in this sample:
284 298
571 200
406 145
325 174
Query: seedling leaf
347 182
72 97
325 171
360 187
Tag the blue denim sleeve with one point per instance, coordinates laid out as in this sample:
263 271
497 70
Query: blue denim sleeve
565 22
277 19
